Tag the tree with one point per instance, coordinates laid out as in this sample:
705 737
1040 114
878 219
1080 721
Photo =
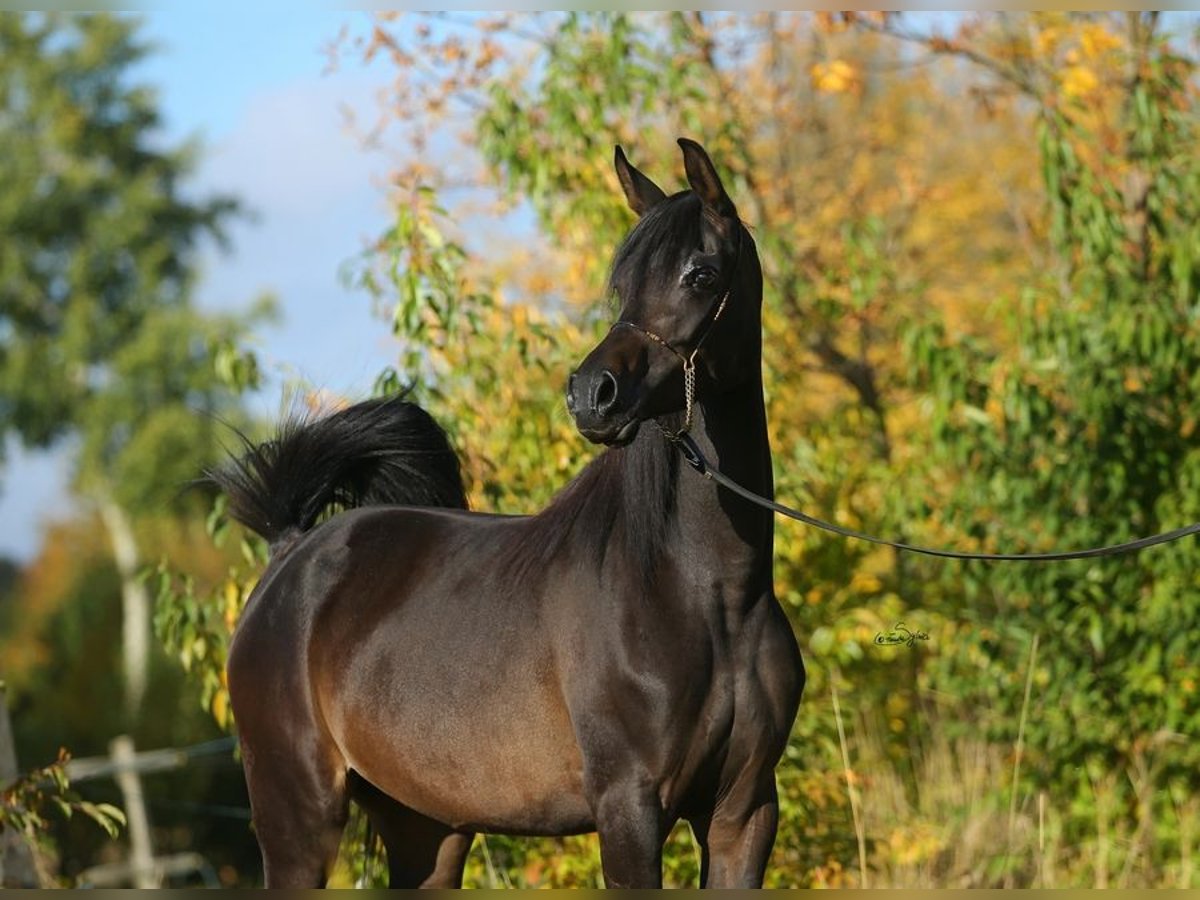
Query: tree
98 340
62 661
1086 434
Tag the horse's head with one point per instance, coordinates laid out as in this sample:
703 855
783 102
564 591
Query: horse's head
690 289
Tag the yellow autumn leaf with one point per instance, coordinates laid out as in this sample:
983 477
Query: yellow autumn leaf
233 602
1046 40
220 708
915 843
1078 81
834 77
1096 40
865 583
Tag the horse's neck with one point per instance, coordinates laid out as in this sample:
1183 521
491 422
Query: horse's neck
731 430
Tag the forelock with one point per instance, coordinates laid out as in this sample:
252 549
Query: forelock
652 251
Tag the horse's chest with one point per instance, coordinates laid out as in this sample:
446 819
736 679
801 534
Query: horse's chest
750 704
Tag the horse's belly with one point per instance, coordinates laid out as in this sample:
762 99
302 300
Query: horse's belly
485 747
473 780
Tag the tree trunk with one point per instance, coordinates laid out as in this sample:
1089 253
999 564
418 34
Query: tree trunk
135 602
141 847
17 868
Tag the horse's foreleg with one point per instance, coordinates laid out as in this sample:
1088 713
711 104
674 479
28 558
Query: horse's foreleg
736 841
699 825
630 826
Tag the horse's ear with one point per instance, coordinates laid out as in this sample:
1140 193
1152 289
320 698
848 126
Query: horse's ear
642 193
703 178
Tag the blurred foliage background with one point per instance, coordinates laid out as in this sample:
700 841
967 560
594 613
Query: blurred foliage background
981 245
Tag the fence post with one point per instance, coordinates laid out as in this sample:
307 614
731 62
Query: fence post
141 856
17 868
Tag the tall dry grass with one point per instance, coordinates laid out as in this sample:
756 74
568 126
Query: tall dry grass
954 812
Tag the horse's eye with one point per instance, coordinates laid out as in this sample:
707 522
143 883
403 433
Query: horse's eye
701 277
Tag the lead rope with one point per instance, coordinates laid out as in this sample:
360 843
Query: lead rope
692 453
696 459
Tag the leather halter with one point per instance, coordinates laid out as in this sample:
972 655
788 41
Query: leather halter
689 360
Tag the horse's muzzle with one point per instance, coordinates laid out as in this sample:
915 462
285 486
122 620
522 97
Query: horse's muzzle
595 399
607 393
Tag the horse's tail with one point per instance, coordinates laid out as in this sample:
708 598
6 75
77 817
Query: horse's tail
378 452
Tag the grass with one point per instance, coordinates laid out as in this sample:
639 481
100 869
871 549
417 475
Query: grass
956 813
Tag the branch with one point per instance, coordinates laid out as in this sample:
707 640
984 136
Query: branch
472 21
706 52
943 47
859 374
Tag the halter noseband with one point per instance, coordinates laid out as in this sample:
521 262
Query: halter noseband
689 361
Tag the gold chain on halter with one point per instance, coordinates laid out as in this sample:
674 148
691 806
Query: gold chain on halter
689 368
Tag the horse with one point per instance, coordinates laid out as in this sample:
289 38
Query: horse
614 663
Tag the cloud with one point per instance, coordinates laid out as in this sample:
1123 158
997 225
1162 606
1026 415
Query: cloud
291 153
317 198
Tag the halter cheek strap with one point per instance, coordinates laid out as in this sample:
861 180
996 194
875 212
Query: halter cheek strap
689 366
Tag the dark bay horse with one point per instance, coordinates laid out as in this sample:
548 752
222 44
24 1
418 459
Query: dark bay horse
613 664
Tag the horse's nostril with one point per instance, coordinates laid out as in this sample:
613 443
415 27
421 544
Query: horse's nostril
606 393
571 392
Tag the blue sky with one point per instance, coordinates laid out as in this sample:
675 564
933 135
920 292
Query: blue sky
254 89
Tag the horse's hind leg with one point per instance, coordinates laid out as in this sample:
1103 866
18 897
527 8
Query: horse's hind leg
300 806
421 852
